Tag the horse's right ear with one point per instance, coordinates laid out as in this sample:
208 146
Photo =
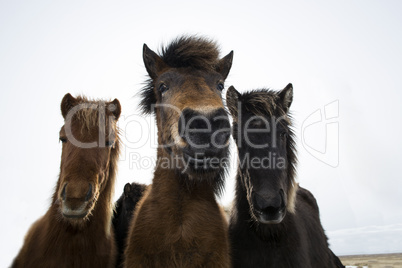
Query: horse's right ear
232 101
225 64
67 103
286 97
153 63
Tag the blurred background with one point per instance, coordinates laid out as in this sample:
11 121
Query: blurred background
343 58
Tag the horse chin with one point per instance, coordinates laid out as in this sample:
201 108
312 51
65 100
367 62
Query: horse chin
76 215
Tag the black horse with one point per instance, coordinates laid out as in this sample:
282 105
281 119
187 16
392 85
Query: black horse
274 222
123 213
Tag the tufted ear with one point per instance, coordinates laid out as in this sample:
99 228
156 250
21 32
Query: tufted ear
225 64
286 97
67 103
233 97
115 107
153 63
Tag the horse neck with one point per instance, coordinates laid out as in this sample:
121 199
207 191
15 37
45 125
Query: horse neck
170 183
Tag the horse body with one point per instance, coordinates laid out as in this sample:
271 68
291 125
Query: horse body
76 230
50 243
298 240
274 222
178 223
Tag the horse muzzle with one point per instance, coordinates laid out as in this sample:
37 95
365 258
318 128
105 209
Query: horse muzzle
74 204
269 209
206 137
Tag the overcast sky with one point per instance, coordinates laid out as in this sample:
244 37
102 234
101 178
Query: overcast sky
343 58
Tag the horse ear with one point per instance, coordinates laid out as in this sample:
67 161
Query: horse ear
286 97
67 103
233 97
153 63
225 64
115 107
127 189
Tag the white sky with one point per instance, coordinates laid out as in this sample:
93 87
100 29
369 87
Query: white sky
344 54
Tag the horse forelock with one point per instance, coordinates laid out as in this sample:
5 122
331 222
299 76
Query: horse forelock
191 51
261 102
90 113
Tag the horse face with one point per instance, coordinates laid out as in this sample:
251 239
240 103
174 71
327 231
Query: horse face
263 150
263 135
88 138
193 124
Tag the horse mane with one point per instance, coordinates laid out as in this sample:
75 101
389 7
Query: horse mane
195 52
191 51
113 164
262 102
88 113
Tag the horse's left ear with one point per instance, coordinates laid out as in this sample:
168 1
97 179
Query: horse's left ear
225 64
286 97
115 108
67 103
127 189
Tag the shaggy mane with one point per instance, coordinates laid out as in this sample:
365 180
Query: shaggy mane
261 102
191 51
88 113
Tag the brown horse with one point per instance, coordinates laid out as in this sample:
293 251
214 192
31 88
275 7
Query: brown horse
76 231
178 223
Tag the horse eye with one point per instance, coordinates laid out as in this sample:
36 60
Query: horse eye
163 88
220 86
109 143
283 134
63 140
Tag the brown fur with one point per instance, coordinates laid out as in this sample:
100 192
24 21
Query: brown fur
178 223
56 240
177 227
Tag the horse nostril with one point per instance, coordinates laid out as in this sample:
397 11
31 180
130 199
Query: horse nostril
270 204
89 193
222 137
192 124
63 192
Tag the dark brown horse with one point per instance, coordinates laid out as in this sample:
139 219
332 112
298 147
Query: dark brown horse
178 223
76 231
274 223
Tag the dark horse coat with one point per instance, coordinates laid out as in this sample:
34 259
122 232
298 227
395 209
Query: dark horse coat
123 214
274 223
